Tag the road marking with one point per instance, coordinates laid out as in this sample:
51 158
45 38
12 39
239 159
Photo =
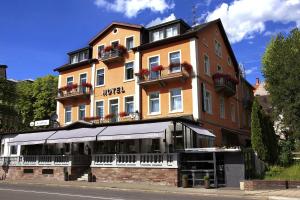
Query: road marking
61 194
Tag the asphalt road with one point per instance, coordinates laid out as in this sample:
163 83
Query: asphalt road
40 192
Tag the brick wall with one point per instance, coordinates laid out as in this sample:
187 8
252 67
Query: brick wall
263 184
148 175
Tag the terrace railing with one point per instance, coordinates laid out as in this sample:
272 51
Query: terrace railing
154 160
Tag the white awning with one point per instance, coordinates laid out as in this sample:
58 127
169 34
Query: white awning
31 138
134 131
75 135
199 130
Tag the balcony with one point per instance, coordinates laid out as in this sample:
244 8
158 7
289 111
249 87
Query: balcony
163 76
74 91
151 160
45 160
225 84
110 54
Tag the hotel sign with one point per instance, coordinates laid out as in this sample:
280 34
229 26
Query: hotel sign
113 91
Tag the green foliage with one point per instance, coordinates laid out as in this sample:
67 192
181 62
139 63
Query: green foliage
257 139
286 156
283 173
281 68
44 93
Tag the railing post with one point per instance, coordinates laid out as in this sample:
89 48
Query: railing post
165 160
93 160
138 160
115 160
37 160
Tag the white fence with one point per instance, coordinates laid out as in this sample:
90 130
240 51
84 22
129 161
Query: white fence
155 160
45 160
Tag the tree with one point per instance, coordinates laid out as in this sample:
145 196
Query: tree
257 138
44 93
281 69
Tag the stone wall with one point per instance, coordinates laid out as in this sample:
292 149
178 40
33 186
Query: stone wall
264 184
148 175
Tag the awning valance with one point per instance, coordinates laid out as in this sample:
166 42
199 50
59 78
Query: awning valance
75 135
199 130
31 138
134 131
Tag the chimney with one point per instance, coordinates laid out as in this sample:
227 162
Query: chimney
257 82
3 71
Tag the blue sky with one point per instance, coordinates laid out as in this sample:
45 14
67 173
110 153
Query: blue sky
35 35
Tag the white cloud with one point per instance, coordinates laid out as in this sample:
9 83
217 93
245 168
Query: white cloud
277 31
250 71
244 18
131 8
158 20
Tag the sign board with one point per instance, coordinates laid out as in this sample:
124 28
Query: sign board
42 123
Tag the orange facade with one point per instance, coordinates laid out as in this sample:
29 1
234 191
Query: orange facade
187 92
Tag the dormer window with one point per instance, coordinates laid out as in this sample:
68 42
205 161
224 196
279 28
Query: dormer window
158 35
172 31
79 56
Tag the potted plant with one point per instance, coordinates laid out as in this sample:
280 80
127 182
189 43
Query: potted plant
185 181
206 182
122 49
109 116
187 66
123 114
143 74
108 48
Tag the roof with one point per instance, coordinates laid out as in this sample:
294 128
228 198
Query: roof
168 23
79 50
74 65
135 26
3 66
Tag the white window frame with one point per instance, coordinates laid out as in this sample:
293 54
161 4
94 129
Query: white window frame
126 80
124 100
172 27
97 108
78 113
159 103
218 50
125 42
97 77
160 30
169 59
108 102
222 112
148 64
79 79
118 40
208 108
170 101
65 108
69 77
206 71
17 149
98 49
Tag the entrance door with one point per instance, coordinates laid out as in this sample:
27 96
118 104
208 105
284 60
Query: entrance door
114 109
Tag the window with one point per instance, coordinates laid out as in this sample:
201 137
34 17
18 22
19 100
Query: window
206 65
100 109
2 149
176 100
14 150
175 59
232 107
114 109
222 107
115 44
74 58
68 114
70 80
129 104
83 56
158 35
229 60
129 43
129 71
219 68
82 79
154 102
153 62
172 31
100 77
207 102
218 48
81 112
100 51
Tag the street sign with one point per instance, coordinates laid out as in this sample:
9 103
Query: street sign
42 123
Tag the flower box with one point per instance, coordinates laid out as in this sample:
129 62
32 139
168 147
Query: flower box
157 68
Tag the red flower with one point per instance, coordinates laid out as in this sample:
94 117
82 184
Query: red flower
123 114
109 116
121 48
88 85
187 66
171 65
143 72
157 68
108 48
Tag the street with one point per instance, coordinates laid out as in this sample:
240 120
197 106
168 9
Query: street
38 192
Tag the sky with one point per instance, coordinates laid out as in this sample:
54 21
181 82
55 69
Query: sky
35 35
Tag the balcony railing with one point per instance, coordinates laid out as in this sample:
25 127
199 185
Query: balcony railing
164 76
224 84
74 92
149 160
45 160
112 56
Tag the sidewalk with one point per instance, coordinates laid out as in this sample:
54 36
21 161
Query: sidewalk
290 194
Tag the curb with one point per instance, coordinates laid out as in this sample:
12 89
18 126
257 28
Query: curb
246 196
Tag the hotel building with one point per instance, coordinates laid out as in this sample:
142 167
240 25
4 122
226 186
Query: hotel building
140 102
